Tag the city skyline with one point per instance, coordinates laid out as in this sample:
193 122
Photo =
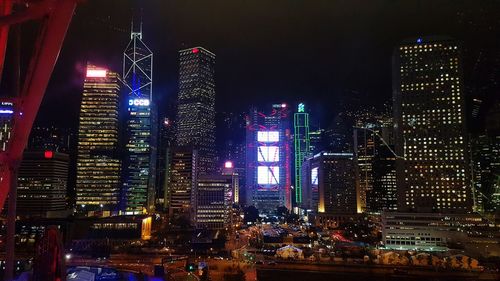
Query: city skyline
333 80
272 141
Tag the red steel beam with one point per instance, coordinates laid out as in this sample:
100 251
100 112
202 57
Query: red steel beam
47 48
5 9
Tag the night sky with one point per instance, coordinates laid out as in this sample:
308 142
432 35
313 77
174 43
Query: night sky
267 51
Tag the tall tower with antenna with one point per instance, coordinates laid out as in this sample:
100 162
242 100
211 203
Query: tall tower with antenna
139 172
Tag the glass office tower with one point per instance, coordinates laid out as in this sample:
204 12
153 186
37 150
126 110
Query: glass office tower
140 164
98 165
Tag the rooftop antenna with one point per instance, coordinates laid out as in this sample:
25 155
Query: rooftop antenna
140 31
133 33
132 28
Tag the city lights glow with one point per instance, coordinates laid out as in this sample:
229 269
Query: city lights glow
268 175
48 154
268 136
301 107
96 73
268 154
314 176
6 111
228 165
139 102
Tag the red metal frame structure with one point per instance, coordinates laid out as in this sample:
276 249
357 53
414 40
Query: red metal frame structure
49 261
55 16
5 9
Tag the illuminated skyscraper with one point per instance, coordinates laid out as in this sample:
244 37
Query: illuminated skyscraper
98 165
213 202
166 138
268 156
139 167
6 113
486 172
230 170
316 140
301 145
329 183
375 164
42 183
432 168
196 105
182 177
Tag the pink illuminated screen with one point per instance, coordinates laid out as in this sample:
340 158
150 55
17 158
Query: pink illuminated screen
96 73
195 50
228 164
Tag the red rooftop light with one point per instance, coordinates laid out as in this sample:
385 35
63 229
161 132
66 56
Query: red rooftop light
48 154
195 50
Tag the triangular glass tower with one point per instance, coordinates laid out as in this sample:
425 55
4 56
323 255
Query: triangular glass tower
139 174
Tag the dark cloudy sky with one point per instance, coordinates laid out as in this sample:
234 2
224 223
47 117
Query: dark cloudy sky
317 51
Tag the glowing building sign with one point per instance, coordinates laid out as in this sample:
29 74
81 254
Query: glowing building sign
6 111
138 102
301 107
96 73
314 176
268 154
228 165
268 175
268 136
48 154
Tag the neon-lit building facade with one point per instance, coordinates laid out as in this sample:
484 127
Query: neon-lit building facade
268 157
98 165
196 105
301 144
432 171
140 172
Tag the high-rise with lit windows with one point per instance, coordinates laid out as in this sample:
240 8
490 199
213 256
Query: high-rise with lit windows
329 183
140 164
42 183
432 167
98 165
268 157
375 164
213 202
182 176
196 105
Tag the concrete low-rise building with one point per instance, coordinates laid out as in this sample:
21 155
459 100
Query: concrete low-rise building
440 232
